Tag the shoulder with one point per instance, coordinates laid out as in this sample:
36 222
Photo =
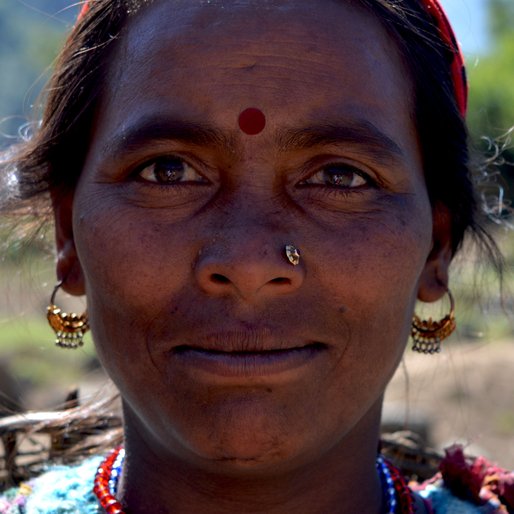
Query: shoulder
443 501
61 489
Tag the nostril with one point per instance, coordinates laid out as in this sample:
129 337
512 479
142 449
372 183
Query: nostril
219 279
281 281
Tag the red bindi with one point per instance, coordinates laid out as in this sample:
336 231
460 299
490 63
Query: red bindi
252 121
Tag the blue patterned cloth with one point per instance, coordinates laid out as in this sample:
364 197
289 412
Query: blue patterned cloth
61 490
68 490
444 502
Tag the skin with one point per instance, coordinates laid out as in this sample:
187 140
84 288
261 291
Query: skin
201 261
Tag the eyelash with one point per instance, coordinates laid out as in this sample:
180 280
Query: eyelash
338 168
172 161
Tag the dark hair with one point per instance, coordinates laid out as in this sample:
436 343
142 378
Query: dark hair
54 156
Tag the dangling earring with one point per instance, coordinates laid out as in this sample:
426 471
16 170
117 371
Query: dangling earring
428 334
69 328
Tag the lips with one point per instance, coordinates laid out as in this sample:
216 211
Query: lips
271 354
245 365
245 353
242 341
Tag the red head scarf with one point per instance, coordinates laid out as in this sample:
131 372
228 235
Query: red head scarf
458 69
83 11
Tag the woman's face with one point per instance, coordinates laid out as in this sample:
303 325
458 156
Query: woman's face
223 351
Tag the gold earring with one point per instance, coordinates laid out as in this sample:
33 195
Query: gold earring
292 254
428 334
69 328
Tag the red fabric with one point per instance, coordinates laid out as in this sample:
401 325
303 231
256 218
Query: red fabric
458 68
83 11
476 479
462 476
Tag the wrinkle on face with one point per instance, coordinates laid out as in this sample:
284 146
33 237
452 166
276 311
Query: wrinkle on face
362 252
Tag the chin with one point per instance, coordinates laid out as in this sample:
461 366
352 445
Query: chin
236 434
249 433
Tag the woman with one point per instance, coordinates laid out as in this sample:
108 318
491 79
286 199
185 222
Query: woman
253 195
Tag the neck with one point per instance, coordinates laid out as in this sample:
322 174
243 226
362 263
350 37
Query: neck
340 479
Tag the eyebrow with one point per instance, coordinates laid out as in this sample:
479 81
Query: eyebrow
156 128
361 134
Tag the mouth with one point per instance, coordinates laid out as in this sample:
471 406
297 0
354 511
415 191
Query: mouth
249 362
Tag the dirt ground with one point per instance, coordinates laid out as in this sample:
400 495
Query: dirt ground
465 394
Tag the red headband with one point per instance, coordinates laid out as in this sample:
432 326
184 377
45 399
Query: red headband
84 10
458 69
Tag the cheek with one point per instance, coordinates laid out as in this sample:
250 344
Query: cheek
372 266
133 271
370 269
126 258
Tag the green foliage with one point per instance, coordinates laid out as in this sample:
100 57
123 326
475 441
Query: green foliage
491 110
492 93
501 16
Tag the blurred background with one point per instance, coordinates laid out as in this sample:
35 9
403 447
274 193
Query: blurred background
465 394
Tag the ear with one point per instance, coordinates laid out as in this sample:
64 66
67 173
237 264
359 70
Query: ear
69 269
433 282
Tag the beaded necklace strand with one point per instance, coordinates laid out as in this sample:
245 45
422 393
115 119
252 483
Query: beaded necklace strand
396 491
106 481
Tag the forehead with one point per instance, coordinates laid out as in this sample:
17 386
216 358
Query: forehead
207 58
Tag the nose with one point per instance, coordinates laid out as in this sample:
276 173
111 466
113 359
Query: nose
250 270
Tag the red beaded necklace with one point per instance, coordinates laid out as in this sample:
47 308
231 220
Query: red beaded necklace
107 476
102 488
403 492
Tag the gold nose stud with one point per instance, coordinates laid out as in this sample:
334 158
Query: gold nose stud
292 254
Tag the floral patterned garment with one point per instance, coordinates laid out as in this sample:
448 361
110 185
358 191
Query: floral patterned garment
61 490
463 486
468 485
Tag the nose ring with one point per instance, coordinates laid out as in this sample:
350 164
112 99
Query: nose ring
292 254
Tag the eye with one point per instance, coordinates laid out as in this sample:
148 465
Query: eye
169 170
339 175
